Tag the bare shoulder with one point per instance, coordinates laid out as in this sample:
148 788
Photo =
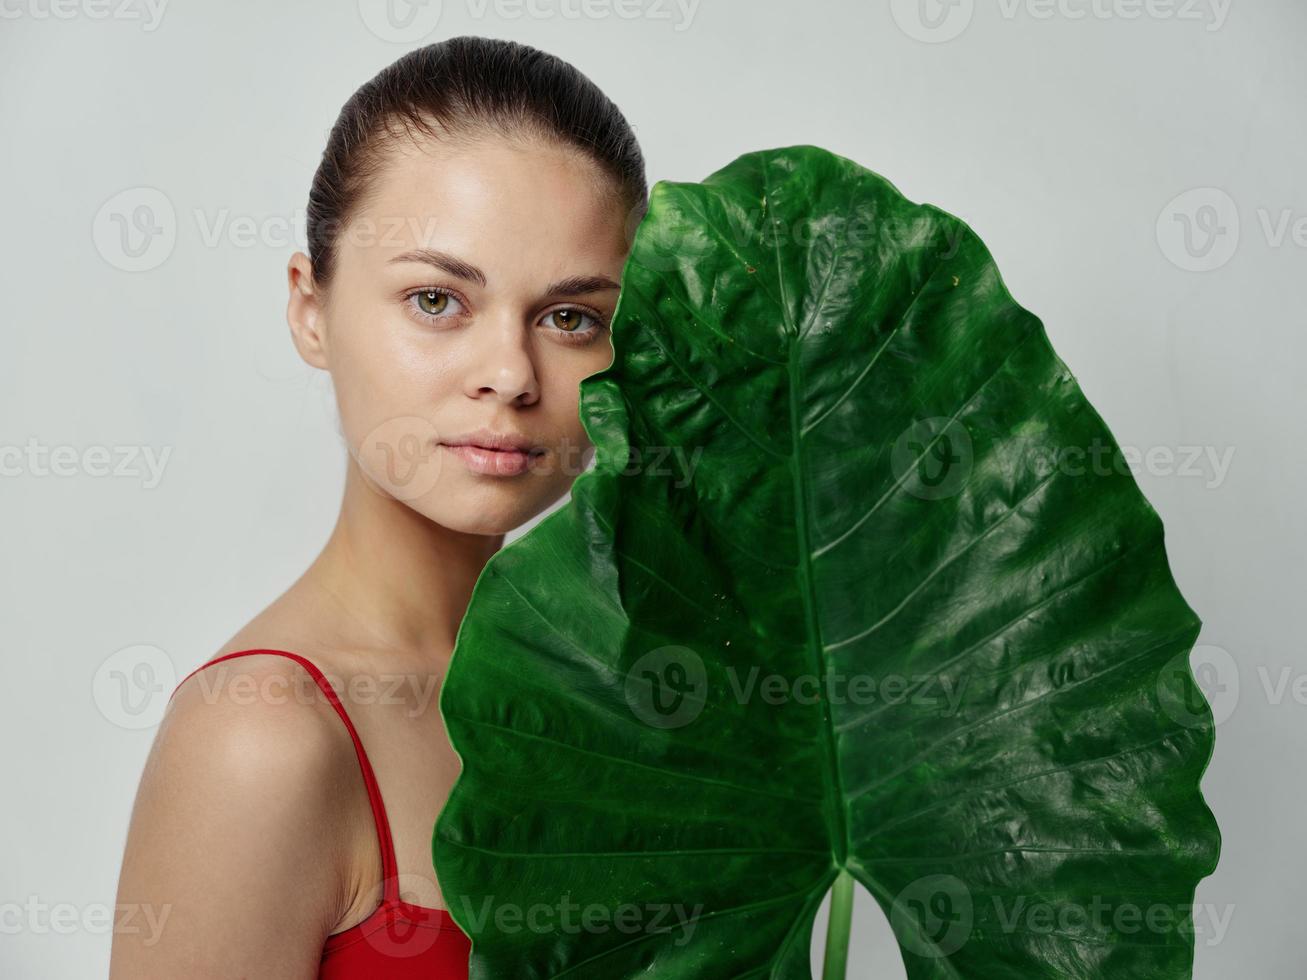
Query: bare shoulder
235 840
254 702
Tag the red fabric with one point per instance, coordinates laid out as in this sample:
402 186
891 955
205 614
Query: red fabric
398 941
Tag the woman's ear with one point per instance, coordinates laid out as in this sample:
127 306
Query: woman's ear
304 312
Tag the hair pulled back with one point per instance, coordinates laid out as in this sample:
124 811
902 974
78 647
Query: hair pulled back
457 89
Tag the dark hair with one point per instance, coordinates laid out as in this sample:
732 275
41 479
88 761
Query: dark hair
456 89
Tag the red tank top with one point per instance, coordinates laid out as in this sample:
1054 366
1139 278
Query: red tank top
399 940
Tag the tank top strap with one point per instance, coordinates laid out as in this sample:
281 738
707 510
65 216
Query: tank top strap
390 883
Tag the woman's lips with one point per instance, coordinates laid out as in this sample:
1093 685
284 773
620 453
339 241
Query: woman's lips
492 462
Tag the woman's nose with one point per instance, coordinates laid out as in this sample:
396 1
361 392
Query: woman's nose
501 364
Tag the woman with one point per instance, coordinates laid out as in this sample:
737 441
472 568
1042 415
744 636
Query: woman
467 229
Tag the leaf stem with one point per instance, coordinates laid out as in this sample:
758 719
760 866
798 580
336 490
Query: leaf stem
838 927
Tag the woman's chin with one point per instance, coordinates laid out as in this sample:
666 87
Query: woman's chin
493 513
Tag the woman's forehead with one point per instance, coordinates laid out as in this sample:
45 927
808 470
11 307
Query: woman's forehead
491 178
494 201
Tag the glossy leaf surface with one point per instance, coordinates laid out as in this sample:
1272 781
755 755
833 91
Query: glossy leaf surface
859 581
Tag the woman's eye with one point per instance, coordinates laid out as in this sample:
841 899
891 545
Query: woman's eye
433 302
569 320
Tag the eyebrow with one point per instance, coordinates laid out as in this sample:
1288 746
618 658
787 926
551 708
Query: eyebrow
455 266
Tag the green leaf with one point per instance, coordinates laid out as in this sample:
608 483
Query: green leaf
859 581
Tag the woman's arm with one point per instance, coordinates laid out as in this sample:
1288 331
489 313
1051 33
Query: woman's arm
234 858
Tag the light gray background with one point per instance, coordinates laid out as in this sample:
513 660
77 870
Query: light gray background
1076 137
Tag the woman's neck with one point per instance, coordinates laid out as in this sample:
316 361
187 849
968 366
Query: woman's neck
397 580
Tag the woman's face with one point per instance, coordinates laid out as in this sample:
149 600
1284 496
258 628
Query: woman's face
471 293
